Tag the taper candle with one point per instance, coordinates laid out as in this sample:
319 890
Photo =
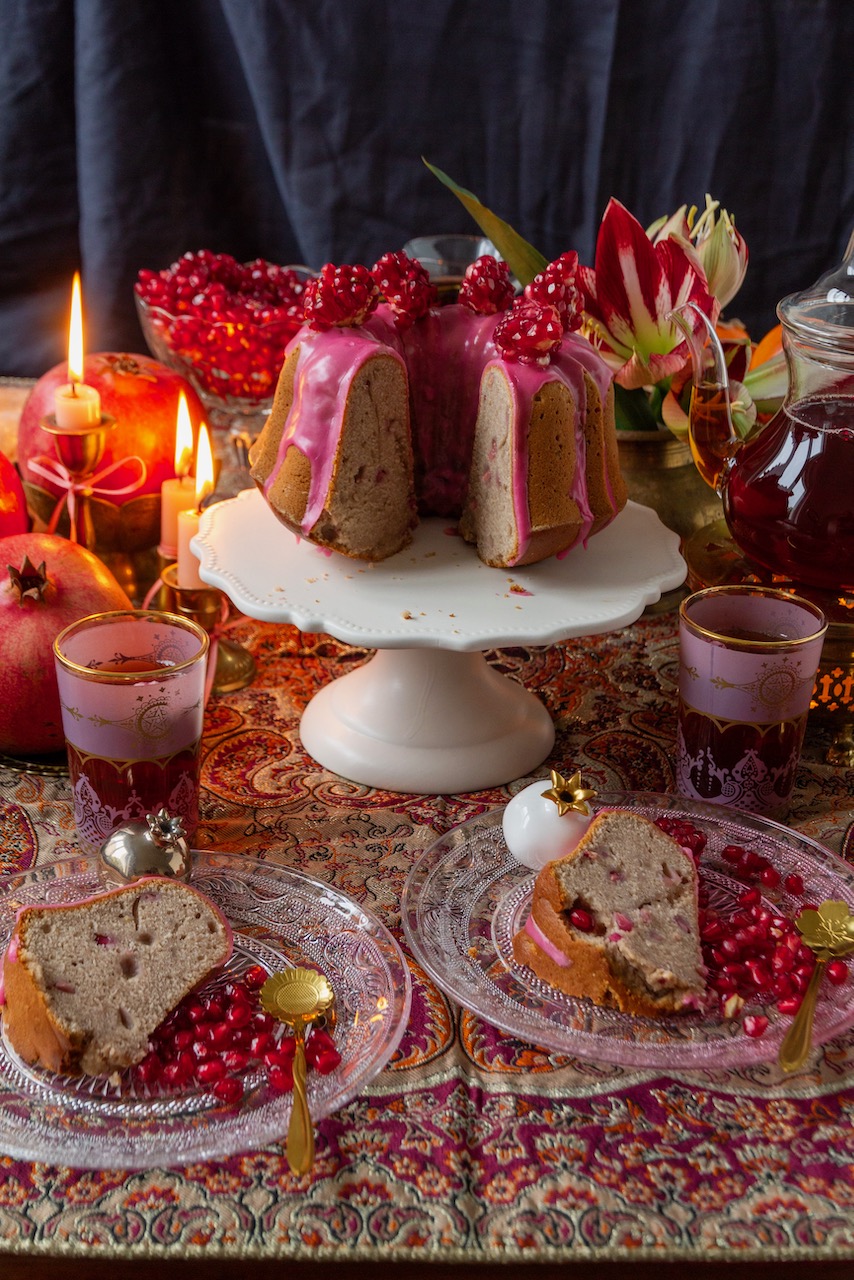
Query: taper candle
178 494
188 521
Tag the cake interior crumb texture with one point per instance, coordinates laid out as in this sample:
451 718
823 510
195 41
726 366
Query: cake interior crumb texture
111 969
641 889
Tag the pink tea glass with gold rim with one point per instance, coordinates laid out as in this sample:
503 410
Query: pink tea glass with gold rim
132 692
748 657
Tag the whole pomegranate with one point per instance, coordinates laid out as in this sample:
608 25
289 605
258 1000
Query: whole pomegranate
13 504
46 582
142 395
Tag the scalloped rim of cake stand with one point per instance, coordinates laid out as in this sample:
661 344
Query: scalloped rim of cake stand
427 714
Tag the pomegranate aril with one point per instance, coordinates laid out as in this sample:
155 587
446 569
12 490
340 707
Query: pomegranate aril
208 1072
255 977
733 853
770 877
282 1056
281 1078
793 883
183 1039
238 1014
755 1025
235 1059
837 972
789 1005
228 1089
261 1043
581 920
149 1069
326 1060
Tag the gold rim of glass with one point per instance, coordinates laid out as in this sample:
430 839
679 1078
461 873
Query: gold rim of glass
94 620
747 589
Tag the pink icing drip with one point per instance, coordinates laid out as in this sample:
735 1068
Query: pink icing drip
554 953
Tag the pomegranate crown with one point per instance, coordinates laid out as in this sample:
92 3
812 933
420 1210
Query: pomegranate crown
406 287
340 296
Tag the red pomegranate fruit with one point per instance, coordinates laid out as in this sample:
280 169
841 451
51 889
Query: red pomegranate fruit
142 395
13 504
46 582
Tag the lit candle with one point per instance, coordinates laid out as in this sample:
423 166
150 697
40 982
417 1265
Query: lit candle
188 521
179 494
76 406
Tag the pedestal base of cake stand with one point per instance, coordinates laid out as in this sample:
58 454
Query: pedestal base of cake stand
427 721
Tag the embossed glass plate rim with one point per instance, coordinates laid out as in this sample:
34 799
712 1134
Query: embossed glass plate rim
461 978
218 1130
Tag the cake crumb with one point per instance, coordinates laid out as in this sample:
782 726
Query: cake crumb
517 589
406 615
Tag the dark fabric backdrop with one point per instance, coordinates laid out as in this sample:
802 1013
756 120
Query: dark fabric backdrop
293 130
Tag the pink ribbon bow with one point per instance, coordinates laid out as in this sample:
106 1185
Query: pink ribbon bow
52 469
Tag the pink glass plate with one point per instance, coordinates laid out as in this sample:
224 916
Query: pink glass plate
280 918
466 897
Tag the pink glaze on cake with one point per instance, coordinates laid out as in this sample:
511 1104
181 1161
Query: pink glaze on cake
445 353
545 944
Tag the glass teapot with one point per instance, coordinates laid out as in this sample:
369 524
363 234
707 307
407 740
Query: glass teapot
788 488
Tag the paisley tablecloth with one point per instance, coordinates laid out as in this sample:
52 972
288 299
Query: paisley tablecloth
470 1146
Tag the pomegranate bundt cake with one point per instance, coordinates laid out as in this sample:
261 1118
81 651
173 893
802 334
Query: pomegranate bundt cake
490 411
86 983
616 920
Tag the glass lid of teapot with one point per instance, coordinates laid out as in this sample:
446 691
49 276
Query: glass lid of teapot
824 313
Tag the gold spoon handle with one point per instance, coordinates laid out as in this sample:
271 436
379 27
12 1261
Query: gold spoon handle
300 1146
796 1045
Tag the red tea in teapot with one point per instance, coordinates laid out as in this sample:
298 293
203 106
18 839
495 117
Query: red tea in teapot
789 502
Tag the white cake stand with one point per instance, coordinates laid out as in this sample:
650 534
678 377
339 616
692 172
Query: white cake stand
427 714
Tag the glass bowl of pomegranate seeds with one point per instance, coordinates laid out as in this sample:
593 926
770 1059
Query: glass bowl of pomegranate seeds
224 325
467 897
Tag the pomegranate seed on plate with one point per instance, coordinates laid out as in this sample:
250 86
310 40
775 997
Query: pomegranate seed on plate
755 1025
228 1089
794 883
837 972
281 1078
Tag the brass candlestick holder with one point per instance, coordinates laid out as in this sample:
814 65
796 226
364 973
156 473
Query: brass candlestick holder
235 666
79 450
713 560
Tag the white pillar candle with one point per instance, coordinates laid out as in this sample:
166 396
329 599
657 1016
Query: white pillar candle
76 406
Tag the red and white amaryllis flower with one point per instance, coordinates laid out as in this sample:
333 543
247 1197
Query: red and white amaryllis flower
720 249
629 294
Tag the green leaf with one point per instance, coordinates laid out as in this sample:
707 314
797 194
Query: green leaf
522 258
633 411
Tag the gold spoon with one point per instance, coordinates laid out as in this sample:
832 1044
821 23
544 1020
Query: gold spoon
829 932
299 997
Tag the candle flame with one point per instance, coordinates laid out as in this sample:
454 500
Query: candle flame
204 466
183 438
75 334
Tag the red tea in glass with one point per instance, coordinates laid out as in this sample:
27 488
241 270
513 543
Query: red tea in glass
748 658
131 688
